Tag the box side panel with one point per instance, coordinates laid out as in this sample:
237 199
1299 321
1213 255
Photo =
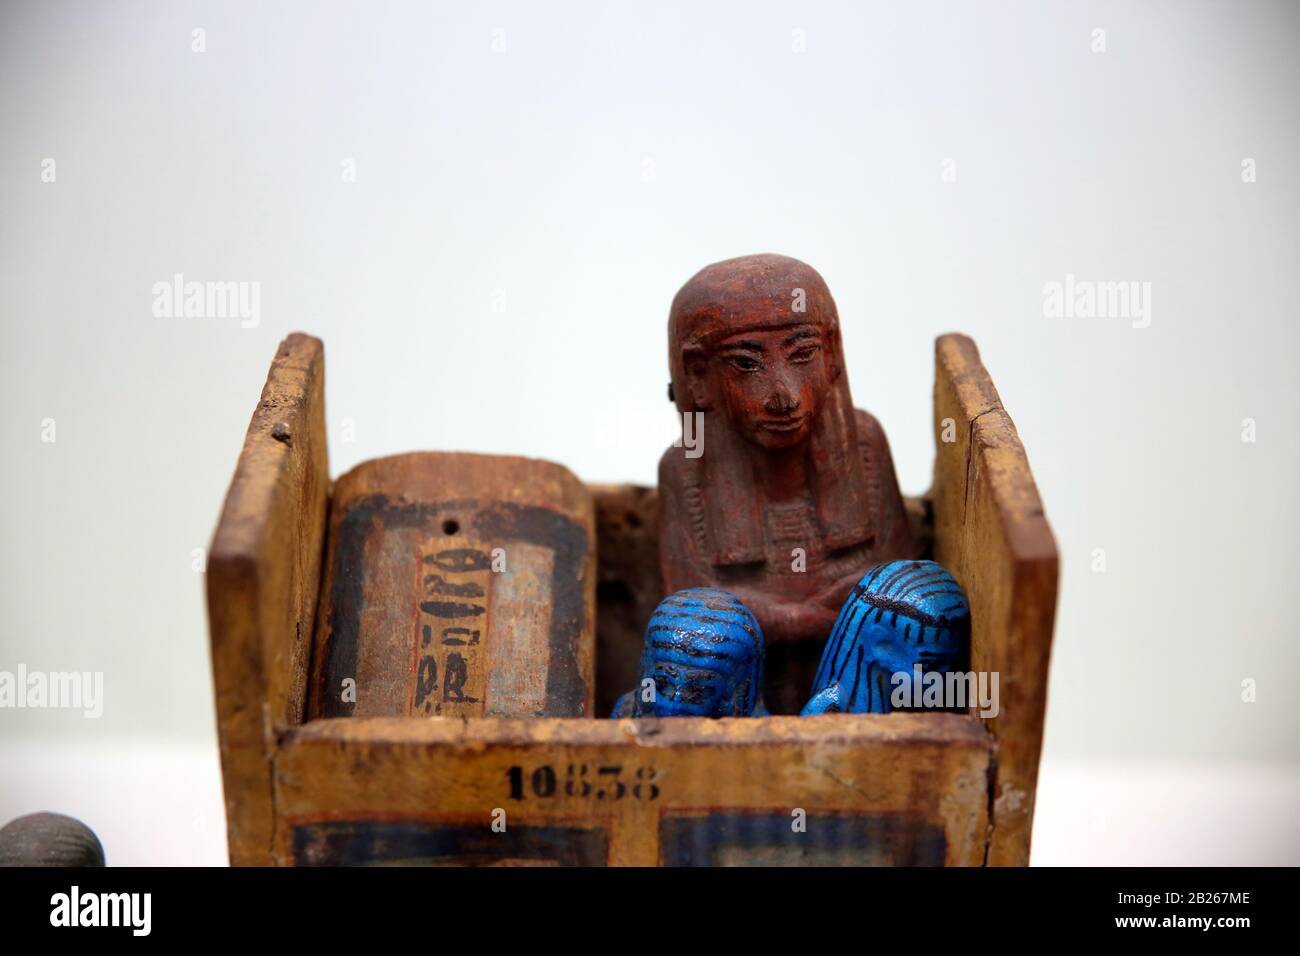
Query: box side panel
991 532
837 789
263 575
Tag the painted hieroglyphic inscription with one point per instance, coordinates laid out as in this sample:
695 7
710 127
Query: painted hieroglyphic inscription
483 630
449 675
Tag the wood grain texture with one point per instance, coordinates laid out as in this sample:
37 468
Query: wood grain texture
262 580
914 785
991 532
457 585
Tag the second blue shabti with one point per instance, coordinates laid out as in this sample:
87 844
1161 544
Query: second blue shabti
900 615
703 657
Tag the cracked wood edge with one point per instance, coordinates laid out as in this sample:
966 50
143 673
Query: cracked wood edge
991 532
262 580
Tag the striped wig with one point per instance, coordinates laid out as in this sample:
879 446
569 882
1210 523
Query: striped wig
900 614
704 653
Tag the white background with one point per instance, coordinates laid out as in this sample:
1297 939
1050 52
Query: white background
576 179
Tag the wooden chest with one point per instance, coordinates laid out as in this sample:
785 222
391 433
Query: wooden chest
903 788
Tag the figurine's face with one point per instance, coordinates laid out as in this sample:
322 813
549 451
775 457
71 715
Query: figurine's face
685 691
772 383
941 652
704 652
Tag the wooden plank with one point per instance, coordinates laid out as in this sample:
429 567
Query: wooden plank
629 585
883 789
262 580
458 585
991 532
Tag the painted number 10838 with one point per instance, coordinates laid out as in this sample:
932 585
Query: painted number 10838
584 782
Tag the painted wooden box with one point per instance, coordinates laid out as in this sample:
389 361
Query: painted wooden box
896 789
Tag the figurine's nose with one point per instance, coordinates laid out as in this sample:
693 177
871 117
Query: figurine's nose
781 401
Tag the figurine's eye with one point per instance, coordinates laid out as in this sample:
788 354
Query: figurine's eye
805 354
695 693
699 687
744 363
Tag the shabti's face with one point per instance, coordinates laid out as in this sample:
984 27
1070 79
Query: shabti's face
772 383
895 643
684 691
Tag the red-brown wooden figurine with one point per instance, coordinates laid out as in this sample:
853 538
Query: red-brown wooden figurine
781 492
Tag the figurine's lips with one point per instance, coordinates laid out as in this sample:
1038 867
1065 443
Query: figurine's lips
783 425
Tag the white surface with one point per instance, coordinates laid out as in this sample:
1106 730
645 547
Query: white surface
150 803
1160 814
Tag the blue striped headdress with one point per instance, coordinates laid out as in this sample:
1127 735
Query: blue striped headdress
899 614
704 652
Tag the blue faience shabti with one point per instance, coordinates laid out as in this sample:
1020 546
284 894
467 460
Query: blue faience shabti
703 657
901 616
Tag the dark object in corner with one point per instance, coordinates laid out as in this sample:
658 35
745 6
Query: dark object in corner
49 839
